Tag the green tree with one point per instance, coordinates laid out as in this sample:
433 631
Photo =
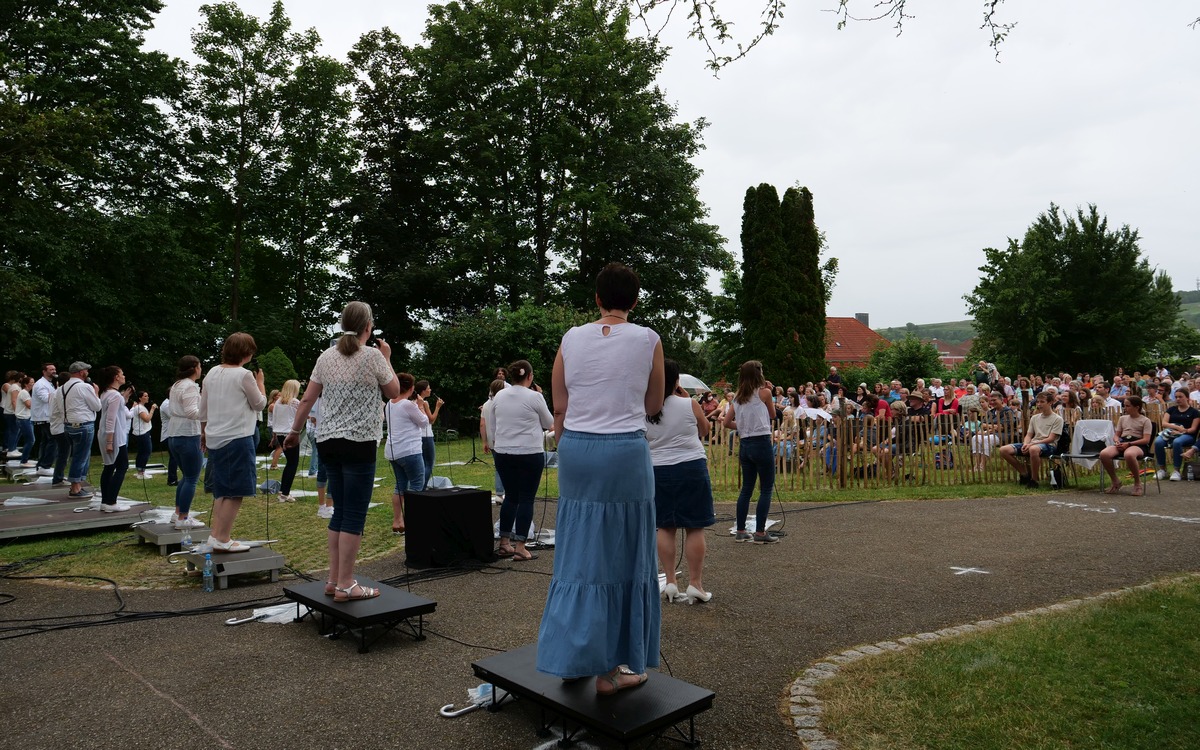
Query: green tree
277 369
95 247
724 347
1180 343
539 180
804 283
906 360
1046 303
461 355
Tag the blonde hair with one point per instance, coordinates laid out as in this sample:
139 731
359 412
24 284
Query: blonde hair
356 318
290 390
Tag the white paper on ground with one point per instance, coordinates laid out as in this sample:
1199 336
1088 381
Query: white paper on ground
16 501
752 525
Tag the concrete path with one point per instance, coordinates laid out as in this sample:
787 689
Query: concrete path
843 576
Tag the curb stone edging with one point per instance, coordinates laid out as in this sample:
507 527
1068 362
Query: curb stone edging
806 708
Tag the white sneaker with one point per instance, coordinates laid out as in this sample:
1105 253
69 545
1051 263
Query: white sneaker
188 523
29 465
1175 476
325 511
141 475
1160 475
45 472
114 508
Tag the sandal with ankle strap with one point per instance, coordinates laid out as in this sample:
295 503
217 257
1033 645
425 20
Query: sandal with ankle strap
346 595
330 588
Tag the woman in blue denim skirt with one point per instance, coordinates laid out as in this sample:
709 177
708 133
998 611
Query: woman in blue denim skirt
750 413
349 377
602 612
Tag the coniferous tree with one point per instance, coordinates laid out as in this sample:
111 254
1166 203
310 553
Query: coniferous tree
806 303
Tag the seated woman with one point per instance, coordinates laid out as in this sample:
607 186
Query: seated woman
903 439
1179 431
1135 431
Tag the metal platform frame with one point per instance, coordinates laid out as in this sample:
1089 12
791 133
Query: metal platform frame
225 564
655 710
392 610
166 537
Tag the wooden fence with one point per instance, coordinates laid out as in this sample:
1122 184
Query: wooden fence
869 453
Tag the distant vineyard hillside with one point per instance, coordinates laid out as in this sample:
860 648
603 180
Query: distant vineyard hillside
1189 308
953 333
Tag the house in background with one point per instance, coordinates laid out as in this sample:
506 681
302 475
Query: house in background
952 355
850 341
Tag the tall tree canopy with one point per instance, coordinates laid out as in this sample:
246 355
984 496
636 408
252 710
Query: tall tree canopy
535 131
1073 295
782 298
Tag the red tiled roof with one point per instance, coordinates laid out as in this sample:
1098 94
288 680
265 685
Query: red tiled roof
849 342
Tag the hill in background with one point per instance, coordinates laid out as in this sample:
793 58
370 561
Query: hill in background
956 332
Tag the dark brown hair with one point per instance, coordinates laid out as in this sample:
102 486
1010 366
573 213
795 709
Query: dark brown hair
405 381
518 371
750 379
187 365
617 286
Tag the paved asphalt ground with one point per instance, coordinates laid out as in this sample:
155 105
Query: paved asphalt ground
844 575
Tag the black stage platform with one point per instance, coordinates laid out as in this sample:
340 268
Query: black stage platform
446 527
653 709
392 609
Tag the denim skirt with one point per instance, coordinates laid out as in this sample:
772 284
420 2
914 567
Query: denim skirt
231 469
683 496
602 608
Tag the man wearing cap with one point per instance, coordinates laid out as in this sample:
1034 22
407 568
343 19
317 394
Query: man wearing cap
43 390
918 406
81 404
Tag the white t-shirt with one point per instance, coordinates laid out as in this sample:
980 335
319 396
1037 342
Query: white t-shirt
43 390
607 376
140 426
81 402
406 423
350 389
164 414
489 421
230 405
185 408
57 412
675 438
24 408
752 417
521 417
114 420
282 416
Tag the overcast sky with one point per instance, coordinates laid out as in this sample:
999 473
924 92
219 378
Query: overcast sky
920 149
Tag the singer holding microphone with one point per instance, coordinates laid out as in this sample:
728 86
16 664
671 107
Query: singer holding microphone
350 377
520 418
423 392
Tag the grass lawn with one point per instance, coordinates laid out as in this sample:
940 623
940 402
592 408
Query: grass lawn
301 535
1117 673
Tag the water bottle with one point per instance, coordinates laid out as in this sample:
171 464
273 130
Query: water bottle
208 573
1190 476
185 544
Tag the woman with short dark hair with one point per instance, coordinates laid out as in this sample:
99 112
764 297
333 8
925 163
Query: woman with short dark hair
230 403
141 418
521 418
602 614
113 436
183 438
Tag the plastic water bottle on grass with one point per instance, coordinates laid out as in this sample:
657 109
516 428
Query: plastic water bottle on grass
208 574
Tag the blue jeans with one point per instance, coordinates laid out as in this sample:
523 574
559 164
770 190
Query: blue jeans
499 484
351 485
113 476
314 458
81 450
25 435
172 464
522 473
144 448
10 429
410 473
1178 446
428 450
757 464
186 451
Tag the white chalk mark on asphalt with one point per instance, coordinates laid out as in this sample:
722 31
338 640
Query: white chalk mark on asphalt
173 702
964 571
